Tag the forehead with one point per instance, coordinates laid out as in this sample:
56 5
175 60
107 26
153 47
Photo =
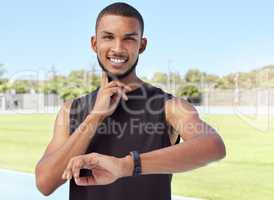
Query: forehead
118 24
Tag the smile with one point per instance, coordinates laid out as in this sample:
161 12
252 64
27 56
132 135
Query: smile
117 60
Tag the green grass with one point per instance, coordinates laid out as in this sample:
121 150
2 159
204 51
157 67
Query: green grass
247 172
23 139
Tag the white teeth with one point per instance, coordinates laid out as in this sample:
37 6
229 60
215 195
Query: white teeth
116 60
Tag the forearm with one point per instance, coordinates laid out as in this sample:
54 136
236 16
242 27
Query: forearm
50 168
183 157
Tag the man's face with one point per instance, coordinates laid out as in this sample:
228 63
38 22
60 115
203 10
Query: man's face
118 42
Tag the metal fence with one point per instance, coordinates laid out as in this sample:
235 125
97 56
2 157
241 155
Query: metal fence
40 102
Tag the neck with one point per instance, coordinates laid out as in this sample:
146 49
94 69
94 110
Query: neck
132 80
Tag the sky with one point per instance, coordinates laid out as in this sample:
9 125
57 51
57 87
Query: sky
216 37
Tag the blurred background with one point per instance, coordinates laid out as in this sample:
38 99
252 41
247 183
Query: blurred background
219 56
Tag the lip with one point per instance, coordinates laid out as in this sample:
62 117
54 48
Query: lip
116 64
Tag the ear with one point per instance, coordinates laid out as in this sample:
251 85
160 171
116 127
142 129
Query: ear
93 43
143 45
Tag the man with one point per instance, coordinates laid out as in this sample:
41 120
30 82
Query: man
121 140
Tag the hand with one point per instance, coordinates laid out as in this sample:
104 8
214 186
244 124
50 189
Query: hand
105 169
108 97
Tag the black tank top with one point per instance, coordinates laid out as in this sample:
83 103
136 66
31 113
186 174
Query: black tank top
137 124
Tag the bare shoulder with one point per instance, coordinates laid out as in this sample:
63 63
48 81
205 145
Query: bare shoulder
65 108
180 108
62 118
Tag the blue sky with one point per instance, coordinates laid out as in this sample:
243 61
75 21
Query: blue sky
217 37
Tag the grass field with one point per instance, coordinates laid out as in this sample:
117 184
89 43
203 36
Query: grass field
247 172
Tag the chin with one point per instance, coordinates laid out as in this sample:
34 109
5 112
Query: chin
116 73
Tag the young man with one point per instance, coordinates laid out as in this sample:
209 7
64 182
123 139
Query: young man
121 140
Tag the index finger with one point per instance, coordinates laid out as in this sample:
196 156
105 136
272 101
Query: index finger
85 181
104 79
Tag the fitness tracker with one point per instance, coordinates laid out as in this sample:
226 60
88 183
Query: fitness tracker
137 171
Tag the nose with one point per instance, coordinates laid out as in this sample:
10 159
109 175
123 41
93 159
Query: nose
118 46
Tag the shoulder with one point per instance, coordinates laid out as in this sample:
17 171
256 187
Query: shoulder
65 108
63 113
81 100
177 107
154 90
87 95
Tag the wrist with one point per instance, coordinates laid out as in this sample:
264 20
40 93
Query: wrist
97 117
127 166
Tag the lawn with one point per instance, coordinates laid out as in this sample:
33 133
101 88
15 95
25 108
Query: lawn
247 172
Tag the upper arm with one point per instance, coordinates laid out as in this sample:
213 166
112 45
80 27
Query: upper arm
184 119
61 129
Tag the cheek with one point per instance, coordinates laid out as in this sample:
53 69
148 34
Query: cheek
102 50
132 48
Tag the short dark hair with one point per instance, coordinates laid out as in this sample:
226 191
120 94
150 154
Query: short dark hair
121 9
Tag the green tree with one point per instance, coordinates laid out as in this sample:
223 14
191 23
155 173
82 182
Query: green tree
211 79
21 86
53 85
188 91
193 76
223 83
4 87
70 93
160 78
191 93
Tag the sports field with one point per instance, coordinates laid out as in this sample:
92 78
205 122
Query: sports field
246 173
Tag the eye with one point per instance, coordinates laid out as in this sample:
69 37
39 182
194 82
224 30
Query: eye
130 38
108 37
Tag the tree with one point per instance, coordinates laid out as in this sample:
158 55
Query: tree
53 85
70 93
193 76
160 78
4 86
191 93
223 83
211 79
21 86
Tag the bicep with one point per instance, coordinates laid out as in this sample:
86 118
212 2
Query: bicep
184 118
61 129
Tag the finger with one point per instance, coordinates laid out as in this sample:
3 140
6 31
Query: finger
113 90
124 95
78 164
89 162
85 181
115 101
92 159
118 90
104 79
118 83
67 172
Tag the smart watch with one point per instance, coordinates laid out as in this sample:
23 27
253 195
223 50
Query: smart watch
137 171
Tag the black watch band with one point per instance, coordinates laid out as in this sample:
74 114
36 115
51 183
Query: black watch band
137 171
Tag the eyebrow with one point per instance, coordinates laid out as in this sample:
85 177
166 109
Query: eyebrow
106 32
131 34
126 35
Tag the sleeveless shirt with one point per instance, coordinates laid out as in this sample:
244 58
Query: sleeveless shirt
137 124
